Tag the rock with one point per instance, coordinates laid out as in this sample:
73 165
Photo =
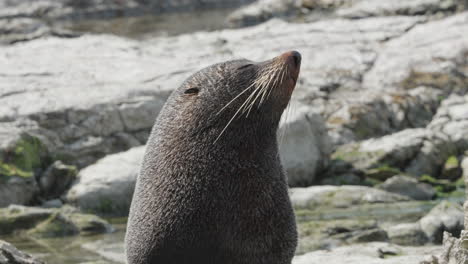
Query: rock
368 253
304 145
340 196
451 169
371 235
11 255
55 203
408 186
22 157
404 61
407 234
366 8
107 186
383 157
454 250
56 180
42 222
446 216
260 11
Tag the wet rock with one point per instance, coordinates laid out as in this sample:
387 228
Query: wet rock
368 253
340 196
107 186
55 203
56 180
9 254
446 216
408 186
407 234
42 222
304 145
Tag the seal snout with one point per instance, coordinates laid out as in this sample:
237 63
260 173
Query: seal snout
292 57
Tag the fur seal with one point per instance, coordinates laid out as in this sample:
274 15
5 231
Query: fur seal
211 189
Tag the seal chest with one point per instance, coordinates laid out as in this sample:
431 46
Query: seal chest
211 187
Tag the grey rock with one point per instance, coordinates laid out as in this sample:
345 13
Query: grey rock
9 254
368 253
107 186
55 203
408 186
304 145
56 180
403 62
371 235
383 157
407 234
366 8
340 196
446 216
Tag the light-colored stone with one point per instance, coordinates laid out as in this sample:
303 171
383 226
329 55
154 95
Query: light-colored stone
107 186
446 216
407 234
408 186
369 253
304 145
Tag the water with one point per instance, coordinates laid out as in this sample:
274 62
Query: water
142 27
72 249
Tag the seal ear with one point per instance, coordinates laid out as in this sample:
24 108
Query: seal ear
193 90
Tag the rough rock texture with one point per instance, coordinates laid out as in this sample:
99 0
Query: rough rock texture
42 222
11 255
446 216
408 186
107 186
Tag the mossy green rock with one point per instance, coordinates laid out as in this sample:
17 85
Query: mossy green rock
42 222
22 157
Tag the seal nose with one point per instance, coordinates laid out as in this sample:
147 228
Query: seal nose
294 56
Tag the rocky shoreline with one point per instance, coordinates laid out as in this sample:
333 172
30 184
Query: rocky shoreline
375 143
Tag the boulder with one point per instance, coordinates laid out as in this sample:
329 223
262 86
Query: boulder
408 186
446 216
107 186
304 145
9 254
407 234
42 222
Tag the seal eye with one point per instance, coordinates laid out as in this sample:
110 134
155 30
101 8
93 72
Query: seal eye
192 91
245 66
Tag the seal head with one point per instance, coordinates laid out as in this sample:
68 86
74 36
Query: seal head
211 188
